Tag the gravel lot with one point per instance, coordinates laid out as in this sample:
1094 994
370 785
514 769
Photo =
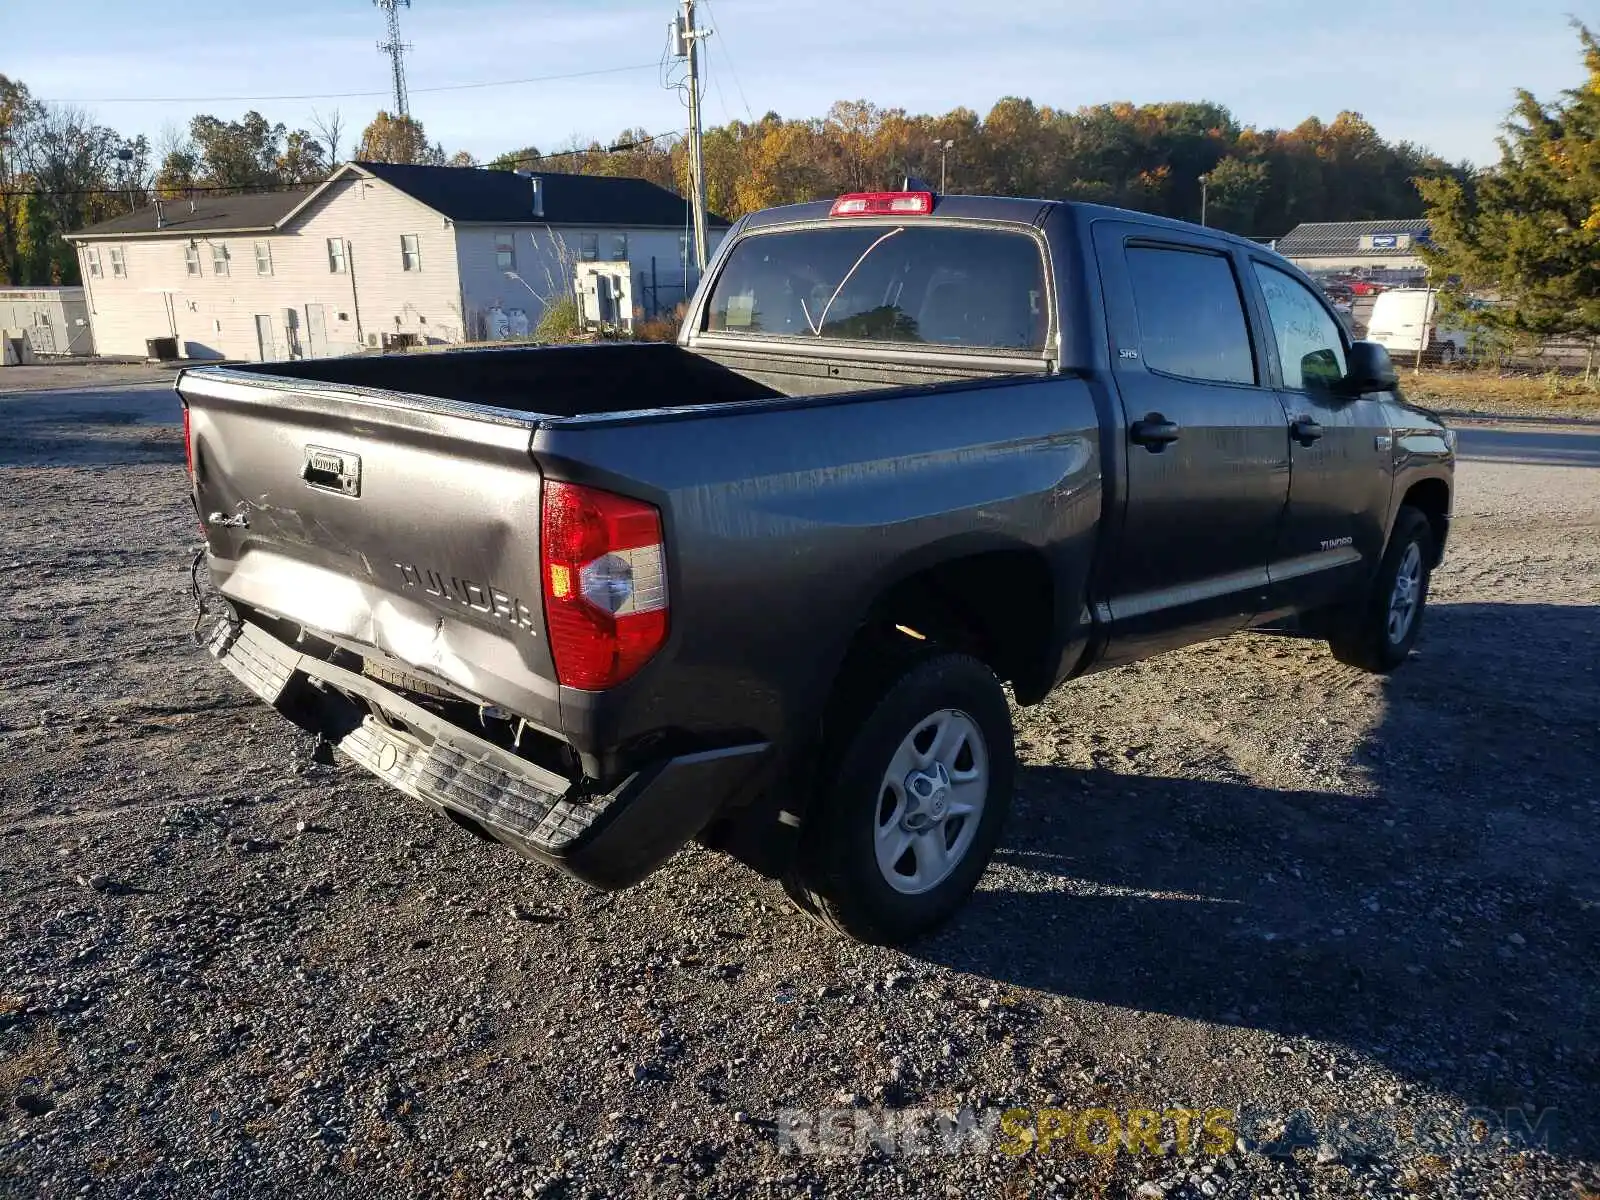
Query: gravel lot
1241 876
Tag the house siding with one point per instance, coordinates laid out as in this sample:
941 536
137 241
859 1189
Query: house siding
448 300
543 250
215 316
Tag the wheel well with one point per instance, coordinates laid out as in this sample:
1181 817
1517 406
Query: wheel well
998 606
1431 497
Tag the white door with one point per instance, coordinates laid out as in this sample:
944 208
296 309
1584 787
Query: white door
266 342
316 331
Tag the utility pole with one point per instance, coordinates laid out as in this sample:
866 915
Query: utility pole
1205 184
686 44
396 50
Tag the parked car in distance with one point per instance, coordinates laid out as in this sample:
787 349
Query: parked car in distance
1405 320
763 588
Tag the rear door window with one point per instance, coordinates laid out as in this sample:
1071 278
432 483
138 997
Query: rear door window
931 285
1191 316
1310 346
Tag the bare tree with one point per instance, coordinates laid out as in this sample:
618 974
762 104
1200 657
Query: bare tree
330 130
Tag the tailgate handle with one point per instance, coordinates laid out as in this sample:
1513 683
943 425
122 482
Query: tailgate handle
332 470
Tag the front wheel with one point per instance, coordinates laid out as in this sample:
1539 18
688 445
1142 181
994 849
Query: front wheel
1378 633
908 819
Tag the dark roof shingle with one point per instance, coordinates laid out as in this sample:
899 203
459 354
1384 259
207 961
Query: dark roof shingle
460 193
211 214
1324 239
504 197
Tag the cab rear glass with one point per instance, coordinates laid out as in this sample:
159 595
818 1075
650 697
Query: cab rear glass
921 284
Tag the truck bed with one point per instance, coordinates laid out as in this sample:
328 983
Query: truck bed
616 377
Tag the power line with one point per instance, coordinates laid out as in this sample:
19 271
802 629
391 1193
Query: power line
615 148
443 87
185 190
727 56
261 189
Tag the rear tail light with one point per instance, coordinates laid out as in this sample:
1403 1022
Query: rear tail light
883 204
188 446
605 584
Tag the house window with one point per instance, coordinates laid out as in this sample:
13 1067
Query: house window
191 261
119 268
263 258
410 253
505 251
92 259
619 247
219 258
589 247
336 256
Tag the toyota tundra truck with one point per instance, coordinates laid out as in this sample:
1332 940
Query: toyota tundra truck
766 588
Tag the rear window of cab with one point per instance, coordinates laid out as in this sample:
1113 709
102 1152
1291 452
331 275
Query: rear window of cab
935 285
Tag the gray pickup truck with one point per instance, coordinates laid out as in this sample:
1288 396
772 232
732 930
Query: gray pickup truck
764 588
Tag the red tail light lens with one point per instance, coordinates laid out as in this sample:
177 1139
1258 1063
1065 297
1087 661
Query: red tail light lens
883 204
188 446
605 584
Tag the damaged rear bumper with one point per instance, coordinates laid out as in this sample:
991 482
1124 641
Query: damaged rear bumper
609 840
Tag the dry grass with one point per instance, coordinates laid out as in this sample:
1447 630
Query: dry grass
1504 393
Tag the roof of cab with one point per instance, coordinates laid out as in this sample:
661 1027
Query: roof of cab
1012 209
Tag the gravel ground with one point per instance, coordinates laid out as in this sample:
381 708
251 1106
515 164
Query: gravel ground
1361 915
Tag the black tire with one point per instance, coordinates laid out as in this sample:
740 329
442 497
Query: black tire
1364 637
836 878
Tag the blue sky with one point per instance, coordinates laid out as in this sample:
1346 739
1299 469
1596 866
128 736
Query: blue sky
1438 72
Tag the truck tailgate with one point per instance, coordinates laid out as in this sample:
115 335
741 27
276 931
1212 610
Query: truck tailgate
401 523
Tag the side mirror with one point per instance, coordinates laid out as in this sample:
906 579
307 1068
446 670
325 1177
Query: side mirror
1370 370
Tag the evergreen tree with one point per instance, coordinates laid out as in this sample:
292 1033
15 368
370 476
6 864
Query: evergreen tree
1528 229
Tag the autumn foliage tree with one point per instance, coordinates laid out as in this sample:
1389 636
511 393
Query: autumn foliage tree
396 139
1528 229
1149 157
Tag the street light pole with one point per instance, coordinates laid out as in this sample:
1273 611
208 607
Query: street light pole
944 169
1205 183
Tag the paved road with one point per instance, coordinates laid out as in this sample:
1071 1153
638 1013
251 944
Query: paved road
1534 444
145 403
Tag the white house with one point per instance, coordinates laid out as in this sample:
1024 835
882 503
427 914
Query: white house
442 254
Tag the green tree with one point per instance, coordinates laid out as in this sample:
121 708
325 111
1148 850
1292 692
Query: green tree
1234 189
1528 228
18 112
302 159
237 154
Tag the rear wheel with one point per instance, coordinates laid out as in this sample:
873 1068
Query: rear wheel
1378 634
909 816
